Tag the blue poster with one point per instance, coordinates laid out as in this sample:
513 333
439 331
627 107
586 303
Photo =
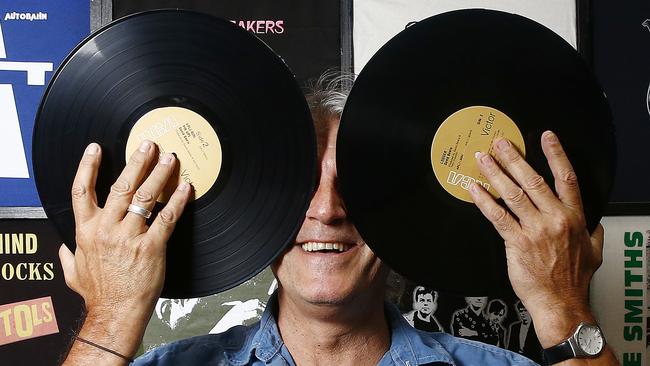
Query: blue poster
35 37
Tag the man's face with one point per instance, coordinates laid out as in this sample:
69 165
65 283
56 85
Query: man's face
523 313
477 303
329 263
498 316
426 304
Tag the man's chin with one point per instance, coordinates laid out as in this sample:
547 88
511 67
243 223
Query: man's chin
328 298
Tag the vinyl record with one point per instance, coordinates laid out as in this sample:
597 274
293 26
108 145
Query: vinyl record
433 95
213 94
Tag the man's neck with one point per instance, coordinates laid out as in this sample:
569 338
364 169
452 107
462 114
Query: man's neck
347 334
476 311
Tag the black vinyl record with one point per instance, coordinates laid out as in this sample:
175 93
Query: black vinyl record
233 81
427 73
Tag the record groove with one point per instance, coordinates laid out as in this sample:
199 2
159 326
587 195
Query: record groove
173 58
416 81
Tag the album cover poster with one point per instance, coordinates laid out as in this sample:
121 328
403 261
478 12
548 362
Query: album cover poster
376 21
38 312
35 36
175 319
621 52
306 34
619 290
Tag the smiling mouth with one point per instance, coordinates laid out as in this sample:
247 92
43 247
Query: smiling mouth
325 247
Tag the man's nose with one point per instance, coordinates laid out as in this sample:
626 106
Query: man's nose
327 204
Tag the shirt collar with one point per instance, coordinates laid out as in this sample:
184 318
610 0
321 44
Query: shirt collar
408 347
266 341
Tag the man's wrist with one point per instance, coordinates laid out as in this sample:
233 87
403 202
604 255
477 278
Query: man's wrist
120 331
555 324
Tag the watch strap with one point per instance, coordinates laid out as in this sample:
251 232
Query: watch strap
559 353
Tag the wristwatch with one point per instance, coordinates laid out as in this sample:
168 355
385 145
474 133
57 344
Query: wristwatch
585 342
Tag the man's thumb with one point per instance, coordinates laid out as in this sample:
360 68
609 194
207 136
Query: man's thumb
67 263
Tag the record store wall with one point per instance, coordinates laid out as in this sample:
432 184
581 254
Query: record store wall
311 36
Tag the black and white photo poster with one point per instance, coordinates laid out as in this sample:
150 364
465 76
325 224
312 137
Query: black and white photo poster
500 321
377 21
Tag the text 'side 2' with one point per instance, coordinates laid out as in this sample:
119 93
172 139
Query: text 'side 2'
214 95
435 94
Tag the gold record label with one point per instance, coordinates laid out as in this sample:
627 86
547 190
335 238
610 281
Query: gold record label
459 137
190 137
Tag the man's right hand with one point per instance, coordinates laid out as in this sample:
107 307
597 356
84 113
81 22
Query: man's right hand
119 264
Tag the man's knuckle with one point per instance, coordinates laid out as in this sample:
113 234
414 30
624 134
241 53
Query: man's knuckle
78 191
168 217
515 195
121 187
101 235
569 177
499 217
143 196
80 236
561 223
491 170
535 183
512 156
144 247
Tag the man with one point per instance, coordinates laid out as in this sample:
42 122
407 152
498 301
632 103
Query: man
470 322
496 313
329 308
425 303
521 337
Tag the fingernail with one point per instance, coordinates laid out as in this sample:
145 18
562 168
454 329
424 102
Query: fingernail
166 159
473 188
503 144
184 187
550 136
92 149
145 146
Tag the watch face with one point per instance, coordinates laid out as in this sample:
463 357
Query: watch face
590 339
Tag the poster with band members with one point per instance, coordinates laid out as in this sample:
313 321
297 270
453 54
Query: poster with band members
621 60
306 34
38 312
35 36
499 321
619 297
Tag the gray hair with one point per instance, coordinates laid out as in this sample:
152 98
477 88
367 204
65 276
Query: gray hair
326 95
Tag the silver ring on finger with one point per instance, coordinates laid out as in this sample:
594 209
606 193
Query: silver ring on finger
139 210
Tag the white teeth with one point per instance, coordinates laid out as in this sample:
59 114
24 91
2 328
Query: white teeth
315 246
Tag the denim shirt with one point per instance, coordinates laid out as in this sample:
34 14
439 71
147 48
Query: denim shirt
261 344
